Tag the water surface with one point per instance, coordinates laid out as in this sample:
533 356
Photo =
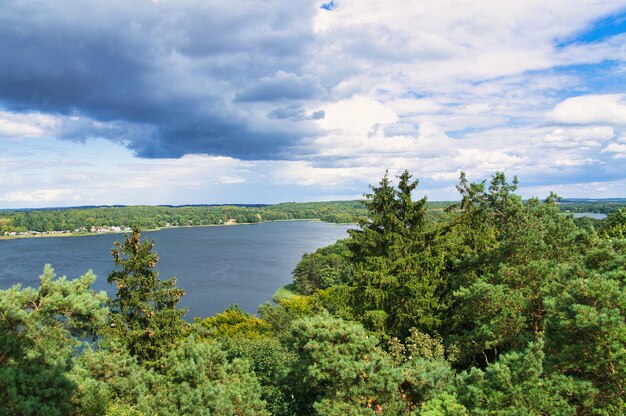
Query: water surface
594 215
217 266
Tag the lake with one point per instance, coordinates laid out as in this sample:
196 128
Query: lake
216 266
594 215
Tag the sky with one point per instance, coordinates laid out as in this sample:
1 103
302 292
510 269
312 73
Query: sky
265 101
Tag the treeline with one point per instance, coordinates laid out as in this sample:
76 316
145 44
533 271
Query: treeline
597 206
497 306
151 217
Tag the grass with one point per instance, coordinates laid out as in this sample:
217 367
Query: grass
284 293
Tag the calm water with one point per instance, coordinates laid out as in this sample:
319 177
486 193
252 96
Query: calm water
217 266
594 215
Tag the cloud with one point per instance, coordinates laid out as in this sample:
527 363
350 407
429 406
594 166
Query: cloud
357 115
295 113
302 94
39 195
573 137
617 149
165 72
174 78
591 109
282 86
16 125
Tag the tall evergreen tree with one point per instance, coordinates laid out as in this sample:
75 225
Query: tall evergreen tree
144 314
397 282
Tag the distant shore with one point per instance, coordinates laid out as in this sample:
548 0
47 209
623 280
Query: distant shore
60 234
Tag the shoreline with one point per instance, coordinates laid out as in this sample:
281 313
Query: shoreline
83 234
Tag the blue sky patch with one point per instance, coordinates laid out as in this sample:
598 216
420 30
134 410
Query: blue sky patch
599 30
331 5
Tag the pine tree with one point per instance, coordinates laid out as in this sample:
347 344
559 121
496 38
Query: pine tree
340 370
41 332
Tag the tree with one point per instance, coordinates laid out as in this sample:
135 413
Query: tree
391 215
397 282
204 382
586 329
340 370
510 256
517 385
614 226
426 373
144 314
326 267
41 331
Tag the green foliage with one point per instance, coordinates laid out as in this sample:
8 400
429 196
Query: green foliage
614 226
271 361
199 380
444 404
40 333
417 344
233 322
511 257
284 293
245 337
586 329
114 380
281 316
144 315
516 385
340 368
203 382
122 410
396 281
425 371
151 217
328 266
600 206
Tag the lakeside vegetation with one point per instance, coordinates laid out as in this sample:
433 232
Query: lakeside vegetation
596 206
493 306
96 220
116 219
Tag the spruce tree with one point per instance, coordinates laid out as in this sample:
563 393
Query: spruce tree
144 315
397 282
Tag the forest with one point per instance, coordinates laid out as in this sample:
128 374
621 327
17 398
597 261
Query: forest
81 220
494 306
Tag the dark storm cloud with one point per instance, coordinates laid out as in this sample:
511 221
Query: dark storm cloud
160 77
283 86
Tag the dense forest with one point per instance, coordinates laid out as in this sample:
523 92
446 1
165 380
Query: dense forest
150 217
494 306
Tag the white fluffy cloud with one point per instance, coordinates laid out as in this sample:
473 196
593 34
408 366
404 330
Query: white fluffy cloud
591 109
617 149
16 125
571 137
444 41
